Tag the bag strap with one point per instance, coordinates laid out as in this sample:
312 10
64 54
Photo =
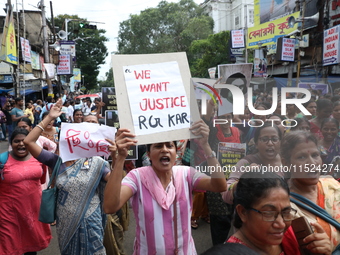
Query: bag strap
54 173
3 160
314 208
310 203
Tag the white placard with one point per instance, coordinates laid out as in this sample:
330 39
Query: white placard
159 134
82 140
288 49
331 46
237 39
50 70
67 48
64 66
26 49
157 97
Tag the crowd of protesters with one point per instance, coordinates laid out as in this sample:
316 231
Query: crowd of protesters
169 197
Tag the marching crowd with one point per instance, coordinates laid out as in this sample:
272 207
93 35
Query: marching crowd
249 213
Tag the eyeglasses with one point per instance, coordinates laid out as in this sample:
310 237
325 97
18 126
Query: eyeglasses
287 215
266 139
89 113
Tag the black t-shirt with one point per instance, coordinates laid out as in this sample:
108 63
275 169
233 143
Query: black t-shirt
8 117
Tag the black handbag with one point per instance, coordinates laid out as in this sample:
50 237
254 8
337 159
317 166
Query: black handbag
47 212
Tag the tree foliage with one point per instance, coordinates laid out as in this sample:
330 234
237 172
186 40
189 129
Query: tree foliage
109 82
90 47
170 27
210 52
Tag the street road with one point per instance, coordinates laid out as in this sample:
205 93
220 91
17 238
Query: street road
201 235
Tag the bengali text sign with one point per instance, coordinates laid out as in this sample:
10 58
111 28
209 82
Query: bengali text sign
82 140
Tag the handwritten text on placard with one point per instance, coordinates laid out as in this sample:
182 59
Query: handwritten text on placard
82 140
157 97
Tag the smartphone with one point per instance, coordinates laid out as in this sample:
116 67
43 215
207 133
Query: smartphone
302 229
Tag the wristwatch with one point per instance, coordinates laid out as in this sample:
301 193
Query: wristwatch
212 155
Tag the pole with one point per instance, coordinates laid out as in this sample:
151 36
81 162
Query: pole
299 50
52 19
45 43
24 62
18 51
66 28
246 36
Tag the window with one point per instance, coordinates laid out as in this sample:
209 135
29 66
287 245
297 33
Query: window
237 21
251 16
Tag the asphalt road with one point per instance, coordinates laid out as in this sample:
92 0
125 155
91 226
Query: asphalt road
201 235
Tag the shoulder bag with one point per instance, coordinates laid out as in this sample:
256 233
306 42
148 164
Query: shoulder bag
47 212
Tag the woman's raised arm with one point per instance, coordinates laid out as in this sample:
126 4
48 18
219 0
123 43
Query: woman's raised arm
31 139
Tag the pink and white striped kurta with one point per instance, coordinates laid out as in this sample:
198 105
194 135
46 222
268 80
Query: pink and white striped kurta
155 225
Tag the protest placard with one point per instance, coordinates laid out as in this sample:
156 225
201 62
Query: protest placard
81 141
153 96
109 99
229 154
112 119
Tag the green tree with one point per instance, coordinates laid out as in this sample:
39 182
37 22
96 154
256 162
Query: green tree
109 82
210 52
170 27
90 47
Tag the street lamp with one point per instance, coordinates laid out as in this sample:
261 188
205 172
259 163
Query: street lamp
83 80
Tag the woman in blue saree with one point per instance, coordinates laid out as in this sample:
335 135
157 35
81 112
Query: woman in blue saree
80 183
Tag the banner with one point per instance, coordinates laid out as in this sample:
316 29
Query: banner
25 49
65 65
237 38
35 61
271 20
331 46
8 44
68 48
268 33
50 70
260 63
288 49
77 74
314 86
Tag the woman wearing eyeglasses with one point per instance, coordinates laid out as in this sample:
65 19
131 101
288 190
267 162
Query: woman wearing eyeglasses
263 218
267 141
299 151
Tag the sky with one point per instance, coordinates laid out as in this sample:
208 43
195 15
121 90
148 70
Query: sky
110 12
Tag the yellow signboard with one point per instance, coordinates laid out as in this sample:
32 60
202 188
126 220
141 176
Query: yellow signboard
267 33
8 44
11 44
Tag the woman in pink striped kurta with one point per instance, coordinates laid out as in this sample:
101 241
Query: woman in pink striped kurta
157 190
